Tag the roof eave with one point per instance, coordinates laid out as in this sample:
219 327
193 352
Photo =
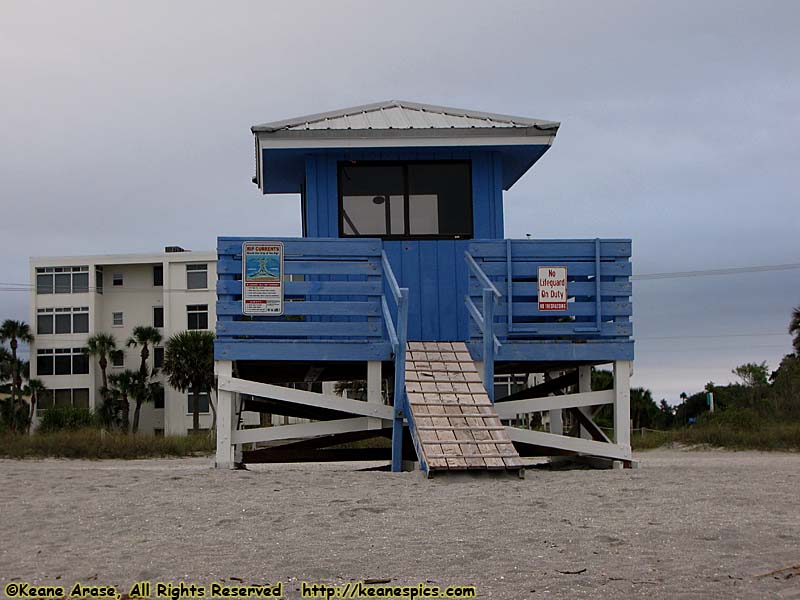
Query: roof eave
537 131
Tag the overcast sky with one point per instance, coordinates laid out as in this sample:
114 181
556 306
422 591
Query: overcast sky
125 127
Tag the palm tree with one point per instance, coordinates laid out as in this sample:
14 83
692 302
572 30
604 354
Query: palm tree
5 364
123 386
34 389
794 328
102 346
144 336
15 332
189 365
143 390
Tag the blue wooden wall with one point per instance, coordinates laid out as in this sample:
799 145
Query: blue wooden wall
434 271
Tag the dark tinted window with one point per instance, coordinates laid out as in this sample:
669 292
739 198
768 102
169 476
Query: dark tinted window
44 324
63 398
158 316
44 284
80 363
158 357
80 398
158 401
63 283
64 323
158 275
44 364
202 402
80 323
440 199
63 364
45 400
80 282
407 200
197 316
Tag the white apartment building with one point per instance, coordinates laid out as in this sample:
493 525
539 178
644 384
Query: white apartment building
74 297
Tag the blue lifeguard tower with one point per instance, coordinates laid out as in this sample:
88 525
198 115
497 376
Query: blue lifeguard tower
403 279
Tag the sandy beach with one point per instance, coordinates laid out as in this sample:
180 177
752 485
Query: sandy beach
698 524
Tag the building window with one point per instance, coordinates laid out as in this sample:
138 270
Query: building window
62 398
158 317
44 361
117 319
62 320
62 361
118 358
197 316
117 279
80 361
158 357
405 200
44 401
158 275
62 280
44 321
202 402
98 281
158 401
80 398
80 320
197 277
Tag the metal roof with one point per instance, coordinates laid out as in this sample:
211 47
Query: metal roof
401 115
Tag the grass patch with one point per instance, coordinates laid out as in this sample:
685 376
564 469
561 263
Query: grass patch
765 436
97 444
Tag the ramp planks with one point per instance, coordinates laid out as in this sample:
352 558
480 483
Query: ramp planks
455 422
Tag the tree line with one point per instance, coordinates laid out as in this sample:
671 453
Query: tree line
760 394
188 365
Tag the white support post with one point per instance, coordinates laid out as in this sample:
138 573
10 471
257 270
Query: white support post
225 419
374 395
237 410
585 385
556 420
622 403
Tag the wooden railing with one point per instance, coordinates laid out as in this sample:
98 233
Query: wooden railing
598 291
397 327
490 296
334 297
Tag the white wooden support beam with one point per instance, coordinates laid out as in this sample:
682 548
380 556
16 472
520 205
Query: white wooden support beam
238 455
303 430
622 403
374 395
225 418
585 385
556 420
507 410
277 392
562 442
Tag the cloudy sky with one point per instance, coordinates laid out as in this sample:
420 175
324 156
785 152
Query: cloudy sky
125 127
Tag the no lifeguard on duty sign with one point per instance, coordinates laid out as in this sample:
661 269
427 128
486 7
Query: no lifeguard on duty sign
552 288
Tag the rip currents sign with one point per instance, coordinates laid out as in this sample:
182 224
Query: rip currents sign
262 278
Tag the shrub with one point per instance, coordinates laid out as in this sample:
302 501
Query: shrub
98 444
735 418
65 418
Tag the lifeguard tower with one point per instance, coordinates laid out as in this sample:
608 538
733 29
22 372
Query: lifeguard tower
404 279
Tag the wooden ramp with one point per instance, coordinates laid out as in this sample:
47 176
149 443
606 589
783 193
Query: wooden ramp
453 423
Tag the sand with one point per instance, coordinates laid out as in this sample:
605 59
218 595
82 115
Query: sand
698 524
